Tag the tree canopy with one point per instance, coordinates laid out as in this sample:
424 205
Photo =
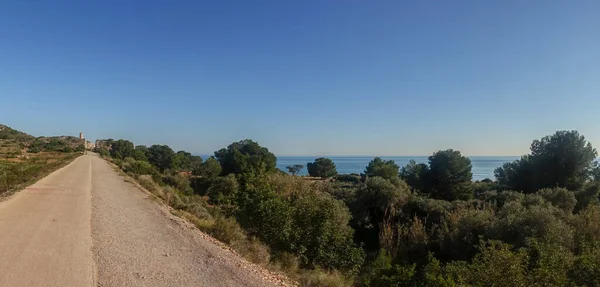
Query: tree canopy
140 153
564 159
414 174
209 168
245 156
161 156
449 176
121 149
387 169
294 169
322 167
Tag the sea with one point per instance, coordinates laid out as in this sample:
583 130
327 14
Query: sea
483 166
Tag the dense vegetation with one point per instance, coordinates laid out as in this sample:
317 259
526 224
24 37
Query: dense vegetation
428 224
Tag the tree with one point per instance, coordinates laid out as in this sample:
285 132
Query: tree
121 149
385 169
564 159
161 156
195 163
210 168
414 174
321 167
449 176
245 156
140 153
182 160
294 169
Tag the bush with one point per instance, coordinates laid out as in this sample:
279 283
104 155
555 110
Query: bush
179 182
223 189
321 235
140 168
559 197
348 178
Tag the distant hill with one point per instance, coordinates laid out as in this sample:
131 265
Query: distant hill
14 143
8 133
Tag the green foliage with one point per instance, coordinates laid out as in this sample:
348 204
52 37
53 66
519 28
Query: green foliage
161 156
564 159
589 194
7 133
294 169
140 153
80 148
320 234
379 196
210 168
104 152
496 265
140 167
586 268
559 197
419 226
54 144
348 178
321 167
179 182
382 168
245 156
121 149
415 174
516 175
185 161
223 189
449 176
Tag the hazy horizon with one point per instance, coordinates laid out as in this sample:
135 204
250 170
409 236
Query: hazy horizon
310 77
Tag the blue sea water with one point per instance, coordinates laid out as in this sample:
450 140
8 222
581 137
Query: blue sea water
483 166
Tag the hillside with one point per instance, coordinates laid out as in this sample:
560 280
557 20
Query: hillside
16 144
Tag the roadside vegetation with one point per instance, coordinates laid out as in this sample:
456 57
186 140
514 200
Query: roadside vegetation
536 224
25 159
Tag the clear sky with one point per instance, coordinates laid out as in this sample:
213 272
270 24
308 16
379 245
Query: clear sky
304 77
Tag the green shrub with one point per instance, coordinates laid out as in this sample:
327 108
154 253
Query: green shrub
321 235
179 182
223 189
140 168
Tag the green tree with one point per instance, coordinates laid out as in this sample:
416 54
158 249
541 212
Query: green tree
182 160
382 168
223 189
449 176
564 159
321 167
321 235
195 163
245 156
294 169
140 153
414 174
210 168
161 156
121 149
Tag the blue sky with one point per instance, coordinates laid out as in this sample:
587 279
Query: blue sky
304 77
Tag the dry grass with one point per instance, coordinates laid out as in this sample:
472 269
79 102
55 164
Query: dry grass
17 175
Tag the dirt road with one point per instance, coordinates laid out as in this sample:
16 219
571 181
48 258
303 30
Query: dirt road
84 225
